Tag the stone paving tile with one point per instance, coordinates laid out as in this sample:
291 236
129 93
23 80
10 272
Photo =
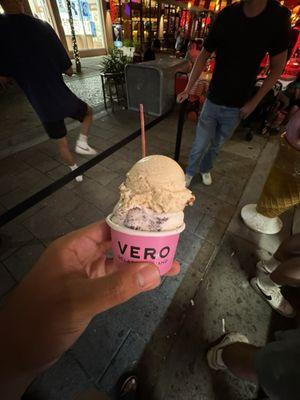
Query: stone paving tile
21 193
63 381
211 229
115 183
100 174
241 147
100 196
216 208
99 343
43 225
83 215
234 165
13 236
25 179
22 260
8 183
125 360
223 187
41 162
11 166
188 247
61 202
7 282
192 217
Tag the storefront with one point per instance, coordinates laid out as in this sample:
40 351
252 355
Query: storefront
88 23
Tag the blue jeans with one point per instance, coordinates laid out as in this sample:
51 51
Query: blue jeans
216 124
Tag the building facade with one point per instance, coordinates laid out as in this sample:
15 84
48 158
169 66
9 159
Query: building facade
98 24
88 19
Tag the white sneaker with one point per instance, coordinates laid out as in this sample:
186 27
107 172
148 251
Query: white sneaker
258 222
85 149
214 357
188 180
78 178
274 298
206 179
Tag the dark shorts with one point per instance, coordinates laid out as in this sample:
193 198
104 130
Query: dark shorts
57 129
278 366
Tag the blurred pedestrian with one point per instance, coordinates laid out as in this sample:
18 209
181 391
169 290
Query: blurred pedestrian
281 191
241 40
32 55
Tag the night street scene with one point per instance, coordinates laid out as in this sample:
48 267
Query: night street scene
149 200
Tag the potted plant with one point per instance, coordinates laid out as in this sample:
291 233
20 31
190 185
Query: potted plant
115 62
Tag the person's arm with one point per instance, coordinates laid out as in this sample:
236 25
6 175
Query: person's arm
209 47
277 64
196 72
48 311
277 49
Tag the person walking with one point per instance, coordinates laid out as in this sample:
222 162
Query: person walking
32 55
240 39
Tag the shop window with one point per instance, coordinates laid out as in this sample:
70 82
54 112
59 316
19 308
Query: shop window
88 23
41 10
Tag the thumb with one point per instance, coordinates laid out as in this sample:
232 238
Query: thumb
109 291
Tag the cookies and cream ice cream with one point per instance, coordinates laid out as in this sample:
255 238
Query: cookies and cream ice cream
153 196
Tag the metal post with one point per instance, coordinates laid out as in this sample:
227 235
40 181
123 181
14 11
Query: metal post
180 124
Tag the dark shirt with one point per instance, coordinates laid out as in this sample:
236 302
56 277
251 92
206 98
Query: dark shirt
33 55
241 43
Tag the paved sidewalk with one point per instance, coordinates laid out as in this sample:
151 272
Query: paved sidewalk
164 326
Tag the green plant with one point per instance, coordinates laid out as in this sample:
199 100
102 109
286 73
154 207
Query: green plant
114 62
127 43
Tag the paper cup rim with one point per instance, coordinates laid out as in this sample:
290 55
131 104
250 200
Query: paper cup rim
134 232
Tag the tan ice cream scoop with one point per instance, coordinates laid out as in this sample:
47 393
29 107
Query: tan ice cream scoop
157 183
153 196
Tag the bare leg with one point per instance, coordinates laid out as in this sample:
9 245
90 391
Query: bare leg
65 152
287 273
239 358
87 122
82 146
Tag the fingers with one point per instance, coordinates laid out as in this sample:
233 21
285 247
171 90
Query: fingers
174 270
118 287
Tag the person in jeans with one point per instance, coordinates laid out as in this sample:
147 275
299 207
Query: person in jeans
240 36
32 55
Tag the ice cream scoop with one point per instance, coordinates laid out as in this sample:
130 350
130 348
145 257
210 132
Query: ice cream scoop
153 196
